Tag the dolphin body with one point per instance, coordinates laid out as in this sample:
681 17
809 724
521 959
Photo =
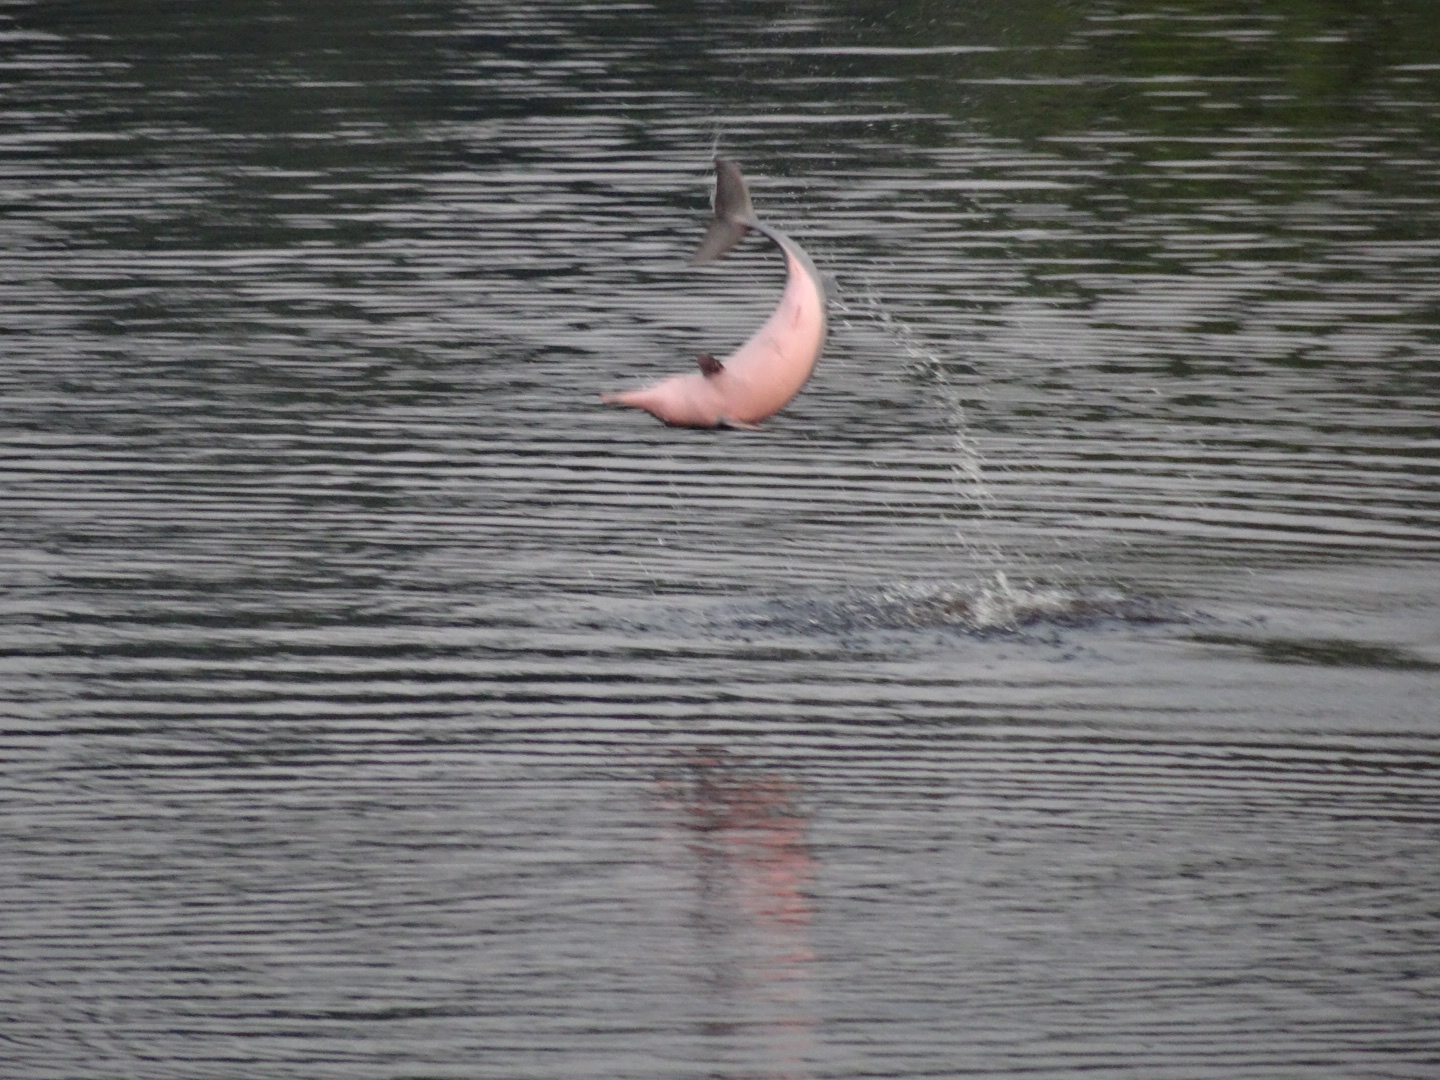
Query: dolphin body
762 376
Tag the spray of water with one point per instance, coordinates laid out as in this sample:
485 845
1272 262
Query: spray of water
1010 589
967 468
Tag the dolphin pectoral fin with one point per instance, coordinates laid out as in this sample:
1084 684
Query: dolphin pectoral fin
719 238
709 365
739 425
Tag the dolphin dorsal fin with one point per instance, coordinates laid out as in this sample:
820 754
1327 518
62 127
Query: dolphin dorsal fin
709 365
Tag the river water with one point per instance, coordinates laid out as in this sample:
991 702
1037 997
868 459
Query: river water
1051 688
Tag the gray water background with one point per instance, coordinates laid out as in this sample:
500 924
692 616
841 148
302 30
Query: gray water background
1052 688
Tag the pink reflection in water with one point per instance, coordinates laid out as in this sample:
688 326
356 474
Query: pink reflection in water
745 848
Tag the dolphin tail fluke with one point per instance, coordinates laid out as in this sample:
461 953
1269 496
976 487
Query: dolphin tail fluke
734 213
732 197
719 238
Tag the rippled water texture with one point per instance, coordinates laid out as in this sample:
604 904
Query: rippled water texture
1051 688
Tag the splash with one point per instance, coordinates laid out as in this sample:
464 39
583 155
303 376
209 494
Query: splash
995 604
967 465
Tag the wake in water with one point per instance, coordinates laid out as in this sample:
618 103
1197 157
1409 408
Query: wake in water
995 605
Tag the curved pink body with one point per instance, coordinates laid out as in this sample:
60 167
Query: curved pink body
763 375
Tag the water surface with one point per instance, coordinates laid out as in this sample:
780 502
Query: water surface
1050 688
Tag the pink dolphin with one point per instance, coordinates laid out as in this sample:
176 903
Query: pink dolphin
763 375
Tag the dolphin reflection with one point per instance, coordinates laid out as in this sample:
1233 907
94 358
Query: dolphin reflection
752 871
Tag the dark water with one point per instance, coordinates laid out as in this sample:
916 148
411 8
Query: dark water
1051 689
